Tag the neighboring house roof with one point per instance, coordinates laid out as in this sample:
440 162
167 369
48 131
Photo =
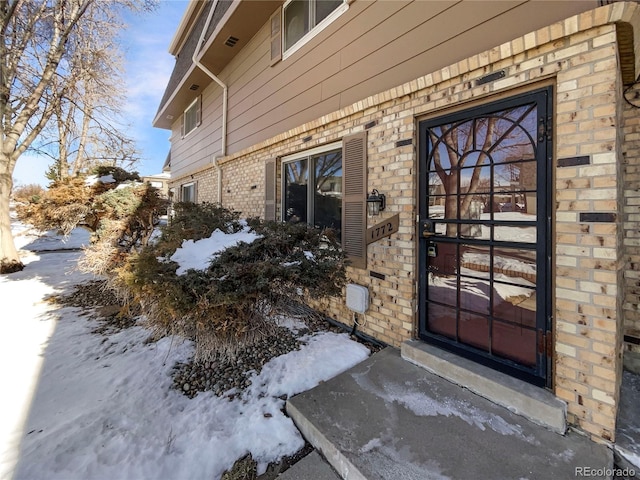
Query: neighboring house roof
158 176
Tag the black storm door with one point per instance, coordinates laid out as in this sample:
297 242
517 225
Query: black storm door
484 234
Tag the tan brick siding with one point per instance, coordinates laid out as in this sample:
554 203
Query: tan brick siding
206 185
631 218
579 58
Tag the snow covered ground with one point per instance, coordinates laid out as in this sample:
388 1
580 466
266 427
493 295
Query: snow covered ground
79 405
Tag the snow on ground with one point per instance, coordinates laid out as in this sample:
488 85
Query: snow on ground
27 238
526 234
79 405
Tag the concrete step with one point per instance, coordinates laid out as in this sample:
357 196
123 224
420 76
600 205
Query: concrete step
536 404
311 467
387 418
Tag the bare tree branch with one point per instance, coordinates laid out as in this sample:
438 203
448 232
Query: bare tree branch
57 58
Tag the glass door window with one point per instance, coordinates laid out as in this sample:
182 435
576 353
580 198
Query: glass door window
484 245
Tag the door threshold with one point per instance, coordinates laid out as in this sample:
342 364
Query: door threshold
535 404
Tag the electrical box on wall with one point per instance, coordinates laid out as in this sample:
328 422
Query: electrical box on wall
357 298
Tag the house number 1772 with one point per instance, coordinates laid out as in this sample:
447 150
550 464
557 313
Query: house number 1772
383 229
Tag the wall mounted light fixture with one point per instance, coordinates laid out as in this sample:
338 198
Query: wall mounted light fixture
376 202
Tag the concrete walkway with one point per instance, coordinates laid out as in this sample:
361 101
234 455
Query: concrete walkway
627 446
389 419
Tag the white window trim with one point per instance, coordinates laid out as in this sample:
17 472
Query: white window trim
184 115
312 151
187 185
311 33
299 156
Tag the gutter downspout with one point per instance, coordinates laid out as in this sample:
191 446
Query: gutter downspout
214 160
223 140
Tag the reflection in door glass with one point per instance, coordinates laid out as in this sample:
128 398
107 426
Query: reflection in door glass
514 265
440 288
514 342
523 234
443 259
515 303
475 294
442 320
514 293
327 204
481 188
474 330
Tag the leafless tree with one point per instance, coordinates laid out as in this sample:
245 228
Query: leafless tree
471 145
41 43
88 128
457 140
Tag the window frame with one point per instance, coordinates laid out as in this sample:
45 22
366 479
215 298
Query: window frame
308 155
313 30
184 186
195 105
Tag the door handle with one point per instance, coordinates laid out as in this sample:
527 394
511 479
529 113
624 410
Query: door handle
428 228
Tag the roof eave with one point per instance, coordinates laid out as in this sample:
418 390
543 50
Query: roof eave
242 20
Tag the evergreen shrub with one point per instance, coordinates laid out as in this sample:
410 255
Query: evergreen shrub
234 300
121 214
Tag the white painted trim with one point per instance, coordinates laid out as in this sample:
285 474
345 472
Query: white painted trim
174 46
218 28
187 185
184 119
311 33
312 151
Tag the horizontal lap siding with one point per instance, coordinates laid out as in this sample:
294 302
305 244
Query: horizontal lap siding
196 149
305 90
372 47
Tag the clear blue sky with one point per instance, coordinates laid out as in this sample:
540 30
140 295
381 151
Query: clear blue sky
148 68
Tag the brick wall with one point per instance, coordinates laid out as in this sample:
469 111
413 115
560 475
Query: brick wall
579 57
206 185
243 186
631 218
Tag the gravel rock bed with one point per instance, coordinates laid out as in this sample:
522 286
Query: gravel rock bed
222 375
104 304
90 294
246 467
